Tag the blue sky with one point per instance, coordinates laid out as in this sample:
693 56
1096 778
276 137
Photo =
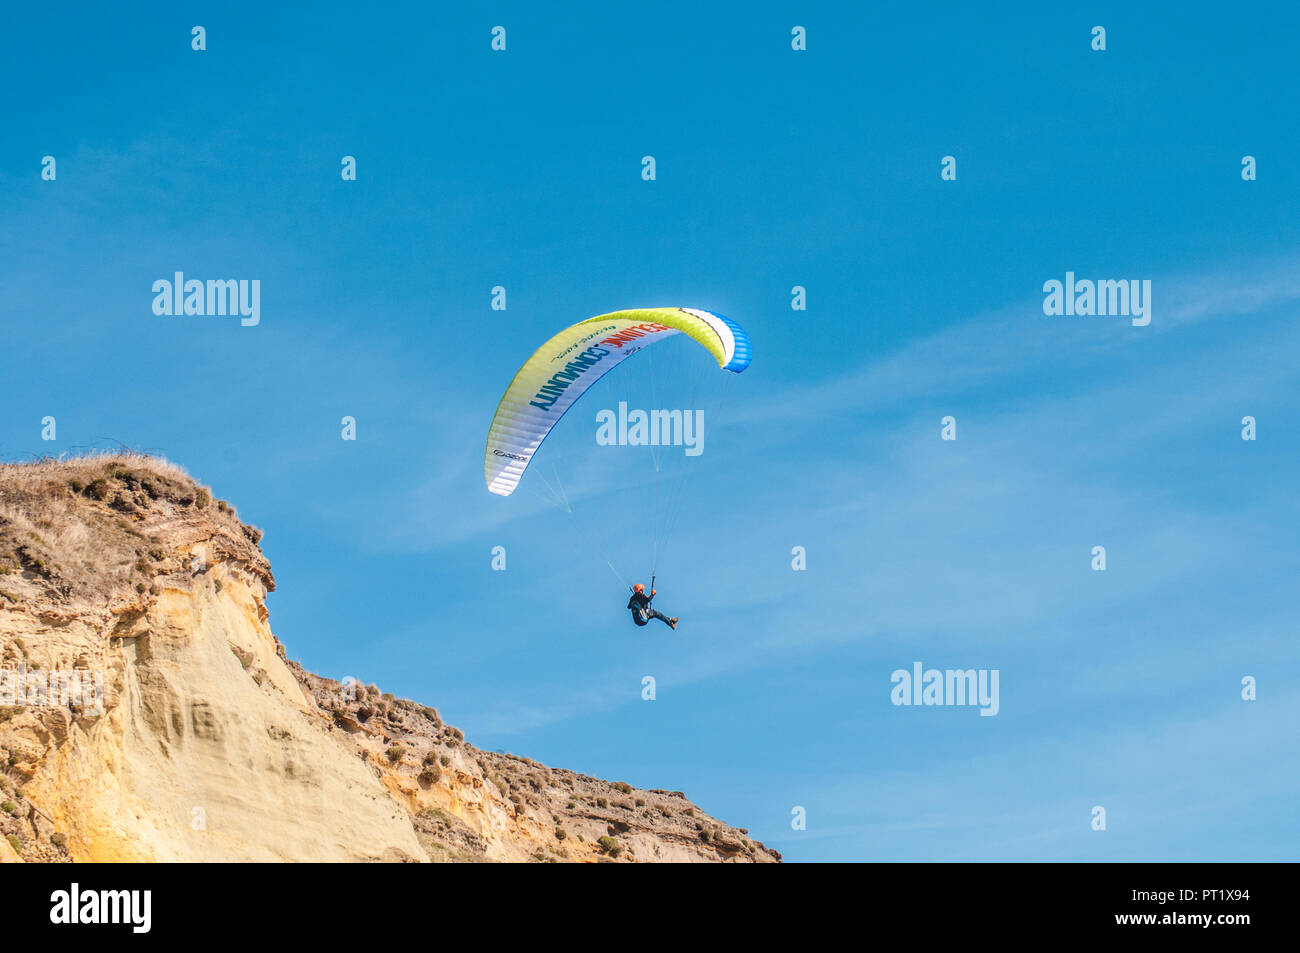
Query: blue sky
775 169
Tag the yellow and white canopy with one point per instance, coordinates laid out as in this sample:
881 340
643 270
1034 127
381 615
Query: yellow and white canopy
568 364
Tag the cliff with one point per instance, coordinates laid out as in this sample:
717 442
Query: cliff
148 713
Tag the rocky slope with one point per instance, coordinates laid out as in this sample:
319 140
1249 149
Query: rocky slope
191 737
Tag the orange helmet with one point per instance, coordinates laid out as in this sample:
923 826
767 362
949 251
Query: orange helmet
638 588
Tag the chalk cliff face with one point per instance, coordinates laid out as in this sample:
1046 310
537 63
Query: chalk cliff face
148 713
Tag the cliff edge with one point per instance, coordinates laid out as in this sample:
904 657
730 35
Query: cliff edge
148 713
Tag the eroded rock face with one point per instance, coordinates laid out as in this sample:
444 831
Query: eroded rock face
203 744
195 739
474 805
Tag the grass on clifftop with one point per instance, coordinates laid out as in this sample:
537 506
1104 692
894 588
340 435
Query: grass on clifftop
90 524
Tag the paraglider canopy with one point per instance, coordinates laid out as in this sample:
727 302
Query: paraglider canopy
567 365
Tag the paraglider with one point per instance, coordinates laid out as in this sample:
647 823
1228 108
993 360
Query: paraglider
566 367
643 612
